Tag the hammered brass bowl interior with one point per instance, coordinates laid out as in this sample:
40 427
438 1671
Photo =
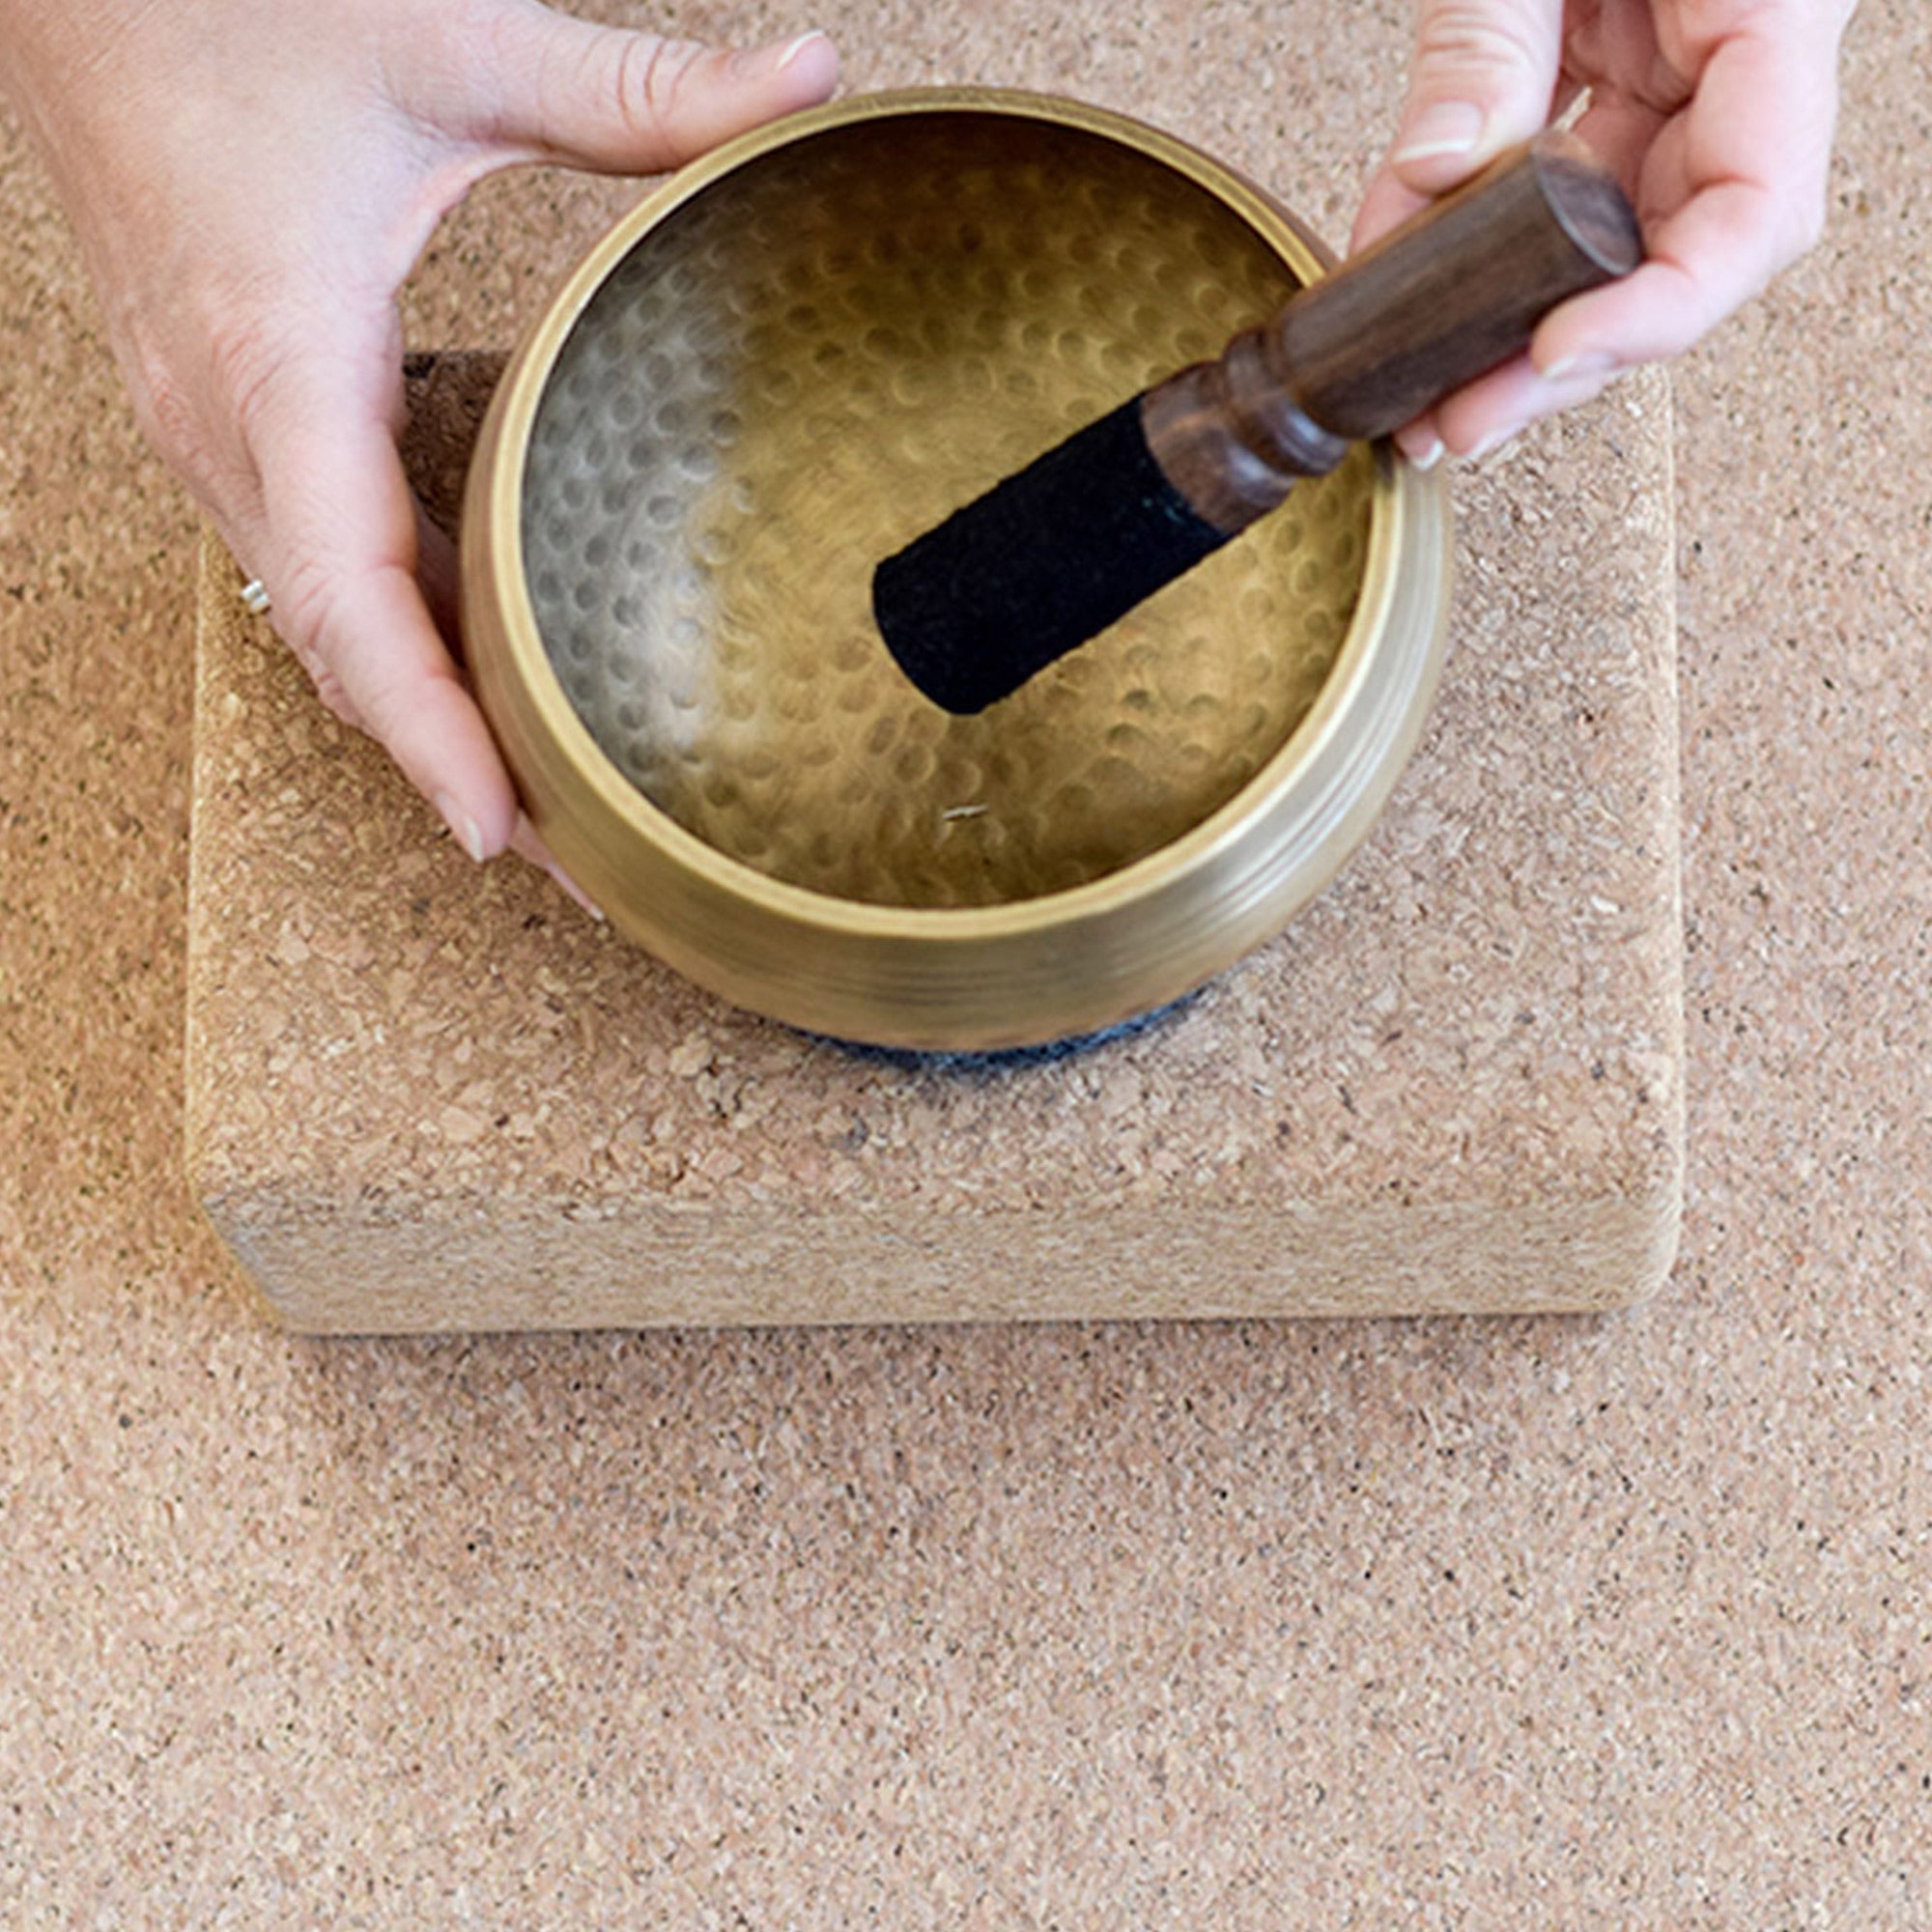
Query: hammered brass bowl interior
784 387
777 376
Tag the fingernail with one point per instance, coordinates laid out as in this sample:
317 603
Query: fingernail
462 827
1443 128
575 891
1496 439
792 50
1429 456
1586 365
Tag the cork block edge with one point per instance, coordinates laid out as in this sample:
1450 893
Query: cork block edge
373 1271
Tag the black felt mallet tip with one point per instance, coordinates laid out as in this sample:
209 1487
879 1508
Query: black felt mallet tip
974 608
1056 554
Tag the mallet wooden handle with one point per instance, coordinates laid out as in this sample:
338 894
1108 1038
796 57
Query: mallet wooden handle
1454 291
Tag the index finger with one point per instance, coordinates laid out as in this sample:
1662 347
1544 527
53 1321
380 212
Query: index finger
342 532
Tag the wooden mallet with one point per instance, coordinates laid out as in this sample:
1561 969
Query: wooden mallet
1056 552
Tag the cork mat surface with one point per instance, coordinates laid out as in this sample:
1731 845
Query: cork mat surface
1547 1621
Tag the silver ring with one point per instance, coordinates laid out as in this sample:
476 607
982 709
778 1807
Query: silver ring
254 594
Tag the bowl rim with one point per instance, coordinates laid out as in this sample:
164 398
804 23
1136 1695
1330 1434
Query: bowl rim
1307 753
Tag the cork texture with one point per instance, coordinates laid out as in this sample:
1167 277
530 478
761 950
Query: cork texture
1609 1621
425 1096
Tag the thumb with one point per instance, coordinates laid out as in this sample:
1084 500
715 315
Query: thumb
1484 76
620 103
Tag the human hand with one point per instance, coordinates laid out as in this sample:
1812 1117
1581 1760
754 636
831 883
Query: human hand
251 181
1717 115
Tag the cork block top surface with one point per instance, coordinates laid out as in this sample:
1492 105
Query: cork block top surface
1486 999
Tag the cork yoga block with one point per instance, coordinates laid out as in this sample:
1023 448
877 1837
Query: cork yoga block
425 1096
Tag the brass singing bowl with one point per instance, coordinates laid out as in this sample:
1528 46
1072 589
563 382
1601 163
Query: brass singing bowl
788 361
